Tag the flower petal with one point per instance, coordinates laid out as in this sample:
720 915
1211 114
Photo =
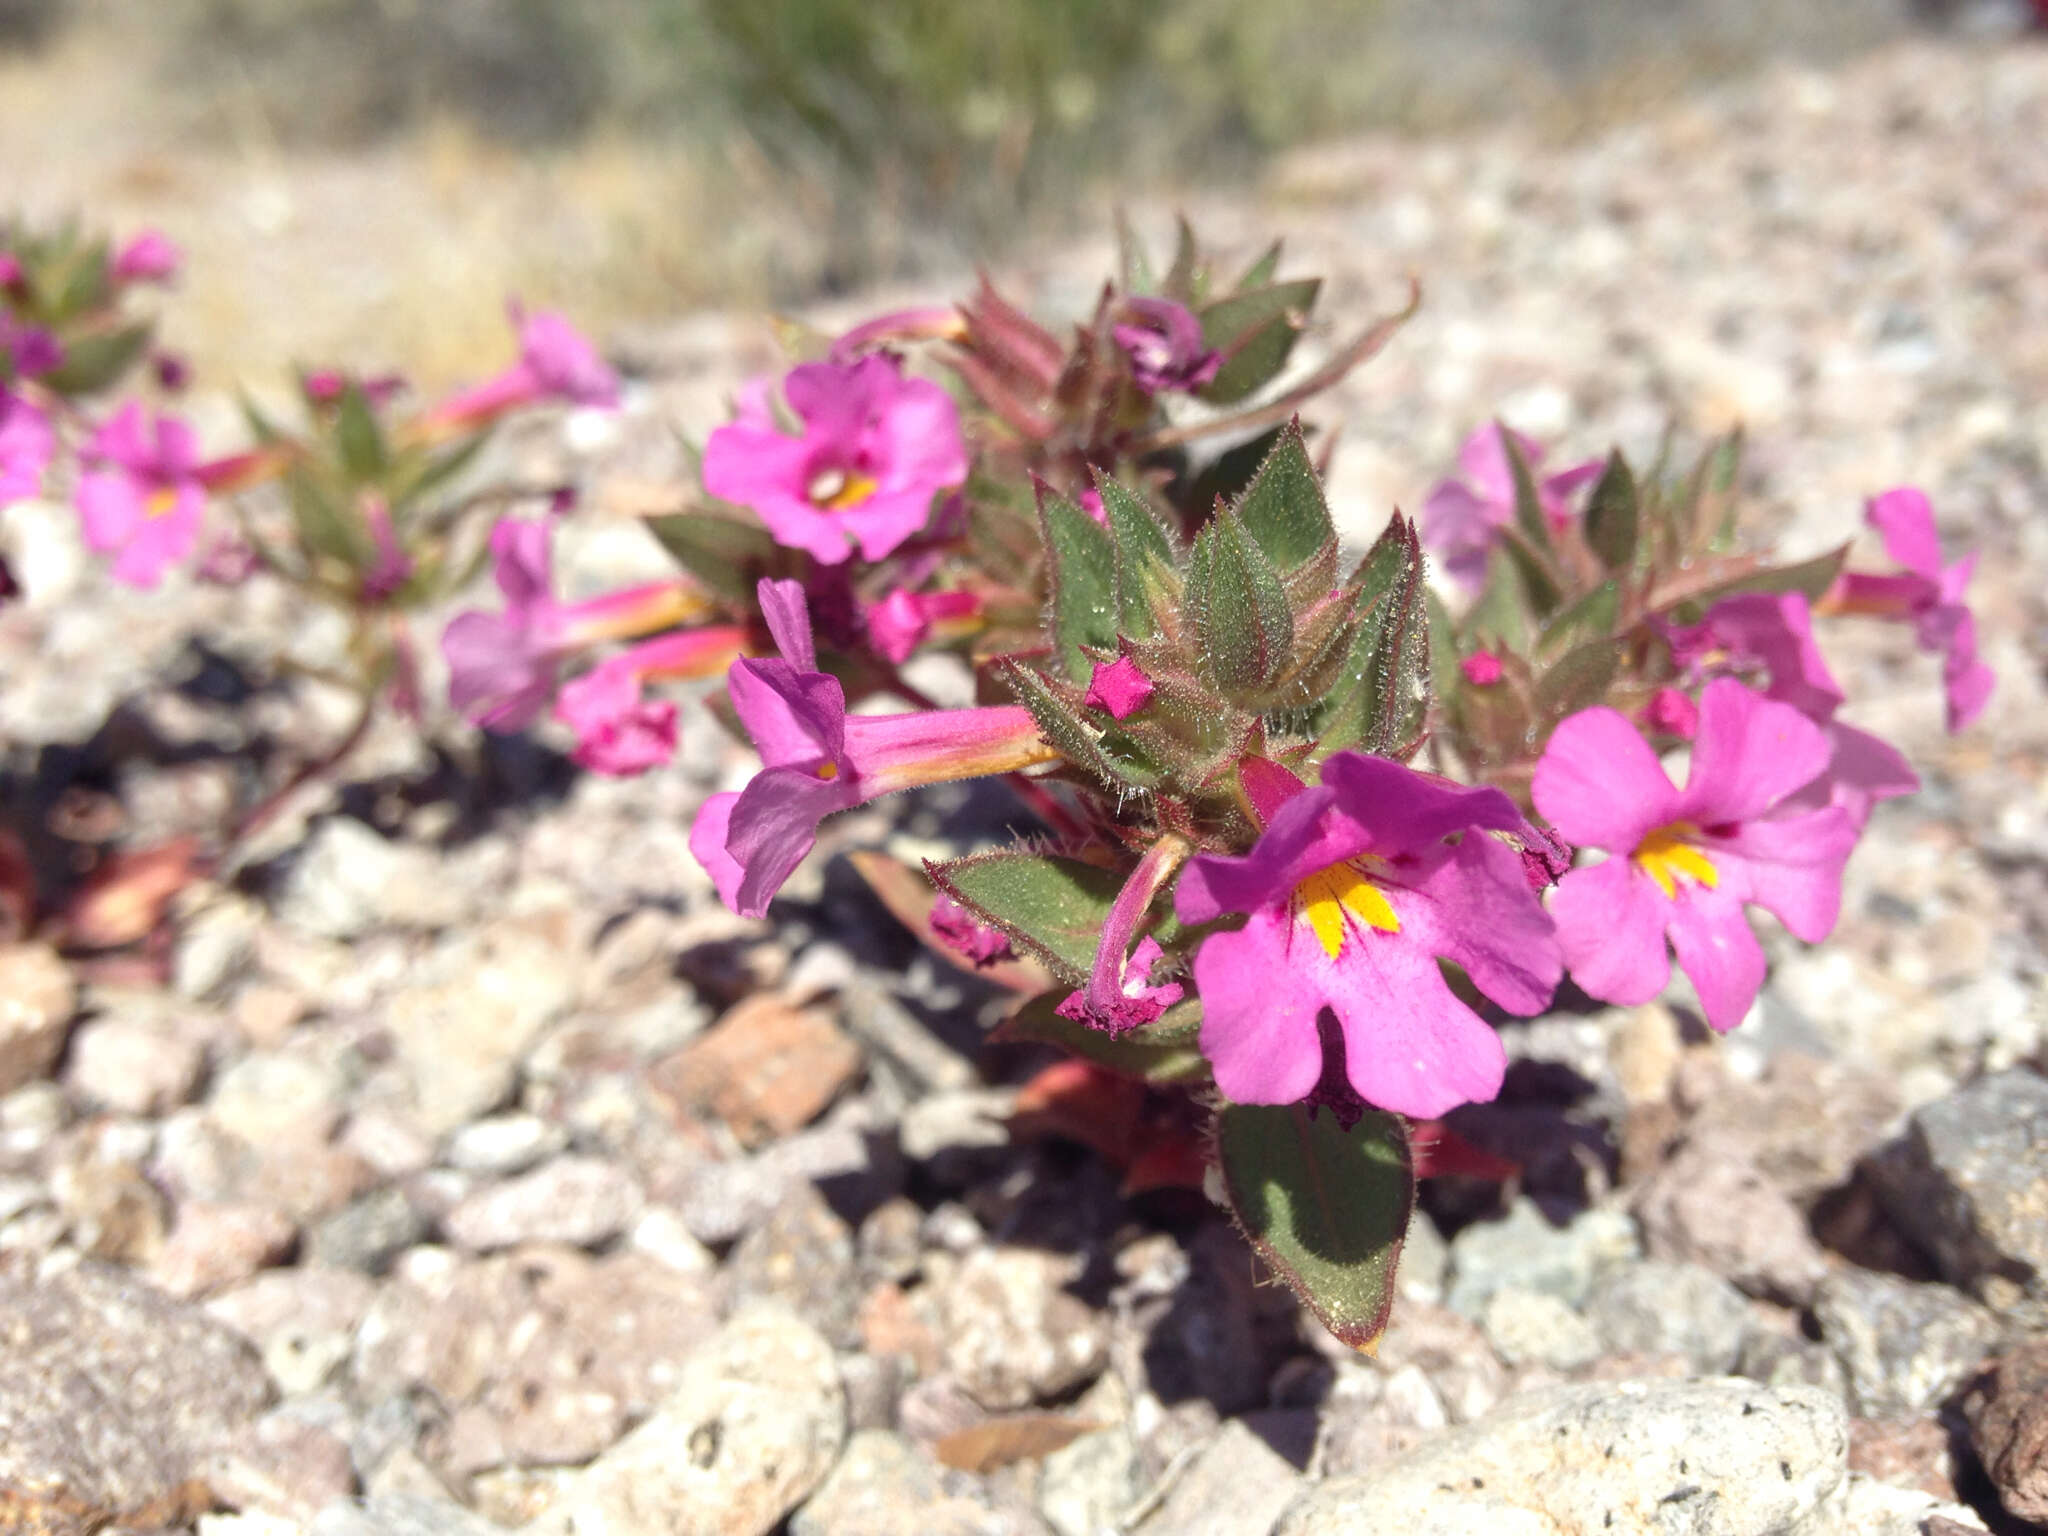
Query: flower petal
1751 752
1718 953
1791 866
773 825
1600 784
796 719
1259 1010
1905 519
708 835
1610 927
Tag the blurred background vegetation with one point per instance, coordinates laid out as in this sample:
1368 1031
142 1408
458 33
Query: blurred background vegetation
637 157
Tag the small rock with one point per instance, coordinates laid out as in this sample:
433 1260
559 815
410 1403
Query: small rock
1658 1308
1867 1507
722 1200
273 1096
2007 1411
1448 1352
367 1234
1185 1320
1805 1123
114 1212
1904 1345
347 880
1719 1458
267 1013
213 1246
37 999
1968 1182
1787 1360
285 1465
302 1319
1235 1483
581 1201
504 1144
886 1485
765 1069
1906 1453
753 1427
399 1514
134 1065
1087 1487
801 1256
1717 1209
112 1398
1013 1334
889 1245
1530 1328
1525 1249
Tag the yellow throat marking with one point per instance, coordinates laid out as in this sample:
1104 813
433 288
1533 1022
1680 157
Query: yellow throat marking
1325 896
1666 856
836 490
160 503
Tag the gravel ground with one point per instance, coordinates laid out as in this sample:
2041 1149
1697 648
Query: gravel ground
478 1171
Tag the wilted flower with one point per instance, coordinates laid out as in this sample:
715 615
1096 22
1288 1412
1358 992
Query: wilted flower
143 499
874 448
1121 994
1463 519
1164 342
817 759
1356 889
1682 863
966 935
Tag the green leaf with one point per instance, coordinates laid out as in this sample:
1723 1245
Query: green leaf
1326 1208
1260 273
1500 618
727 555
1811 577
95 360
1165 1051
1612 513
1134 266
1283 508
1056 908
1226 476
1239 611
1578 680
358 438
1590 618
1255 332
1081 574
1533 552
1062 725
1184 279
1375 707
1143 556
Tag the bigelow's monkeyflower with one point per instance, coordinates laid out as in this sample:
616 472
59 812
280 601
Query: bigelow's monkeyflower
1683 862
1930 594
1356 889
503 667
620 731
142 500
555 362
1464 518
817 759
873 450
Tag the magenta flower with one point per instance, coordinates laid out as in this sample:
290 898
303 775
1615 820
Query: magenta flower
1931 595
1682 863
555 363
1355 891
817 759
26 351
904 620
966 935
148 258
1672 712
143 499
503 666
1482 669
874 449
1121 994
26 444
1767 639
390 567
1164 342
1119 688
619 731
1463 518
10 269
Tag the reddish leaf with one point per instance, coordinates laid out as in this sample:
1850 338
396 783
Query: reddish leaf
125 898
1439 1150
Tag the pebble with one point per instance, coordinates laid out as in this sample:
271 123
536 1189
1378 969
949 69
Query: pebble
1089 1485
503 1144
1530 1328
1713 1207
1660 1308
803 1257
1525 1248
765 1069
37 1000
213 1246
348 880
133 1064
368 1233
1234 1483
2007 1411
302 1320
1013 1334
887 1485
1968 1182
752 1428
112 1397
1904 1345
273 1096
398 1514
1717 1458
581 1201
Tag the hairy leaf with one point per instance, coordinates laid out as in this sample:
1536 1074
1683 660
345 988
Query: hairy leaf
1081 575
1053 907
1612 513
1239 610
1283 508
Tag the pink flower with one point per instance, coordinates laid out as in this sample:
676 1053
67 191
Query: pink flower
1356 889
26 444
10 269
1931 595
1767 639
960 931
875 447
620 732
1482 669
904 620
503 666
1463 519
143 500
27 351
1119 687
148 258
937 322
325 386
816 759
1672 712
1164 342
390 567
555 362
1121 994
1682 863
